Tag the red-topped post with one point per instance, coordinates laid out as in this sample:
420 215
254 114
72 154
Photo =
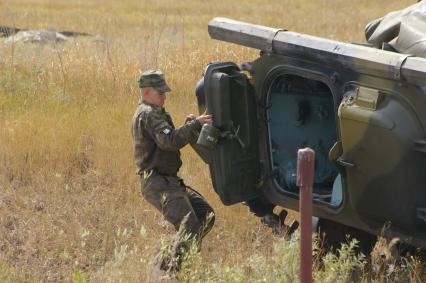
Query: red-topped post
305 181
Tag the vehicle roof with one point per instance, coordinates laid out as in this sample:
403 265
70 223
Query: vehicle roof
358 58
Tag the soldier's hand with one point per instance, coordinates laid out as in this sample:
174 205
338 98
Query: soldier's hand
205 119
189 118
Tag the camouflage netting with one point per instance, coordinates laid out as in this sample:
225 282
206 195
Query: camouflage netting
404 30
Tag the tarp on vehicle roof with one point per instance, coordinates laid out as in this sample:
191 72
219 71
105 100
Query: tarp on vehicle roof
404 30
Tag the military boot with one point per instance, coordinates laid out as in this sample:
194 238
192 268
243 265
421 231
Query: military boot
276 223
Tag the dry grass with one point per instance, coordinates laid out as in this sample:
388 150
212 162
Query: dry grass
70 208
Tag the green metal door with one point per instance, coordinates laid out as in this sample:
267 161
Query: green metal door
234 163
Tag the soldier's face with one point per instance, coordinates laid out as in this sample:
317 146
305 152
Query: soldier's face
154 96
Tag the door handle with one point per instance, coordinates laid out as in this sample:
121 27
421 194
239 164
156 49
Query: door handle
234 134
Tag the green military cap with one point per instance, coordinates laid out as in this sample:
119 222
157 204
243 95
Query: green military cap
154 79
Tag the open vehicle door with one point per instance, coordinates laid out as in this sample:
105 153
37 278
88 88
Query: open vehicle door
234 163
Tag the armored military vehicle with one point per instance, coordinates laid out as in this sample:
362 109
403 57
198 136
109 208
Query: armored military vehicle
361 107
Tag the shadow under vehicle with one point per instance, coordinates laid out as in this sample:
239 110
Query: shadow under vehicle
362 109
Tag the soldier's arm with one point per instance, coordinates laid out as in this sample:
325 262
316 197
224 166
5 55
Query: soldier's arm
165 136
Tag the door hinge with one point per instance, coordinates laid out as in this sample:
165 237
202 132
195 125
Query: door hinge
421 213
345 163
420 145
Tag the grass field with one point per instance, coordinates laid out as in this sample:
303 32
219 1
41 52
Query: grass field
70 205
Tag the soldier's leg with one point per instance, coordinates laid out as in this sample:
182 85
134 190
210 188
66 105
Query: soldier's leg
205 215
203 210
170 198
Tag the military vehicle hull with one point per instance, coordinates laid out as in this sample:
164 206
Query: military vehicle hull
360 108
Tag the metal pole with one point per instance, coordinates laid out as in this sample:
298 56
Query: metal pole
305 180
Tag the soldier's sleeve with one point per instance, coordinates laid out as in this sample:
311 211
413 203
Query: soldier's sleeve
165 136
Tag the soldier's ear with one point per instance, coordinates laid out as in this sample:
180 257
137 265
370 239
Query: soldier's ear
145 91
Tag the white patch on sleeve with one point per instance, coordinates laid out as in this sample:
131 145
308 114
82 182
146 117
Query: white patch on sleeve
166 131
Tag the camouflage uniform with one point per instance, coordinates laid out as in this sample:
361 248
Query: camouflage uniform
157 143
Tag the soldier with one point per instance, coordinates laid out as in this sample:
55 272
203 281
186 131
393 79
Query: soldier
157 143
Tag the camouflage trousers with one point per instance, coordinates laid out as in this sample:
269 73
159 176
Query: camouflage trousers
181 205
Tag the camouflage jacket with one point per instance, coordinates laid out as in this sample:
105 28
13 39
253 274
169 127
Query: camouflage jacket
157 142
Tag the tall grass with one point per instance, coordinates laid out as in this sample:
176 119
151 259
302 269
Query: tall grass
70 207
